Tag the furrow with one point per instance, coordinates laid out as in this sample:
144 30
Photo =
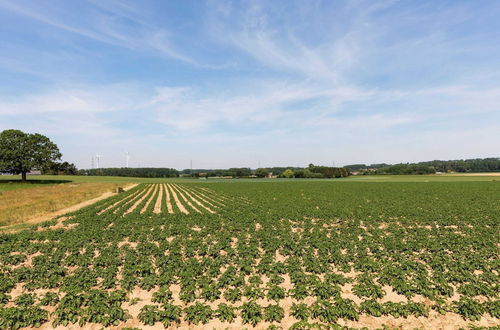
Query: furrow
185 199
211 196
202 197
143 197
130 201
153 194
157 208
170 209
177 201
194 199
120 201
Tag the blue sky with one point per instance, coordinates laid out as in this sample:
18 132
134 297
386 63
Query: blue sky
242 83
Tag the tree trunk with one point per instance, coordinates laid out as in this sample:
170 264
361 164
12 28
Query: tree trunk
23 176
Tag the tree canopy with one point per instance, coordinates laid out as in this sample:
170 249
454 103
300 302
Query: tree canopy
22 152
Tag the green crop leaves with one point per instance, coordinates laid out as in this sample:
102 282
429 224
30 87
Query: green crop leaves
251 313
198 313
20 317
306 244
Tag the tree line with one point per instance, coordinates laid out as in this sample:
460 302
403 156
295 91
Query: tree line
431 167
311 171
142 172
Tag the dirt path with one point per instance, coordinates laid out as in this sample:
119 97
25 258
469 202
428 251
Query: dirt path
195 200
150 199
177 201
157 208
143 197
73 208
170 209
472 174
185 199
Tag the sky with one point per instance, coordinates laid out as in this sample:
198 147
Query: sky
253 83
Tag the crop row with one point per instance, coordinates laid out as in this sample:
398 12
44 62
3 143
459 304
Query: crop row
272 253
167 198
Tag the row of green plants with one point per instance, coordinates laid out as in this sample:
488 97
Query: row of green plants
270 242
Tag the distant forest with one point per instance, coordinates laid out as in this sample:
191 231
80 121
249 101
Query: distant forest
312 171
436 166
142 172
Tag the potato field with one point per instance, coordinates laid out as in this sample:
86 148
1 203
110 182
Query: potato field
278 255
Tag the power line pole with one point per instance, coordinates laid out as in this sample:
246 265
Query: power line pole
97 158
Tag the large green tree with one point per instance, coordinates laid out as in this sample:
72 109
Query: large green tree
22 152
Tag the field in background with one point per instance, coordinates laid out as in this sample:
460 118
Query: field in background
84 178
364 178
243 254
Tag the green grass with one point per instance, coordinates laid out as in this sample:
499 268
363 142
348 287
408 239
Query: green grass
13 182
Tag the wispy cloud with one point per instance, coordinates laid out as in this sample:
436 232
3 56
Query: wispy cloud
292 76
116 24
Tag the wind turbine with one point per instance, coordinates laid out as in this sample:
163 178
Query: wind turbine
127 158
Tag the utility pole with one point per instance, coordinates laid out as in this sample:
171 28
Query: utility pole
97 158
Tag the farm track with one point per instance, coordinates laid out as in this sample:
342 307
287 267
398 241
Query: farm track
162 198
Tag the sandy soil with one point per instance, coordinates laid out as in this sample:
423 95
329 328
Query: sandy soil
195 200
210 195
434 321
143 197
177 201
170 209
201 197
150 199
157 208
130 201
121 200
185 199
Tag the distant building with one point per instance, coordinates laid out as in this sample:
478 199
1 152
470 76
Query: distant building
35 172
